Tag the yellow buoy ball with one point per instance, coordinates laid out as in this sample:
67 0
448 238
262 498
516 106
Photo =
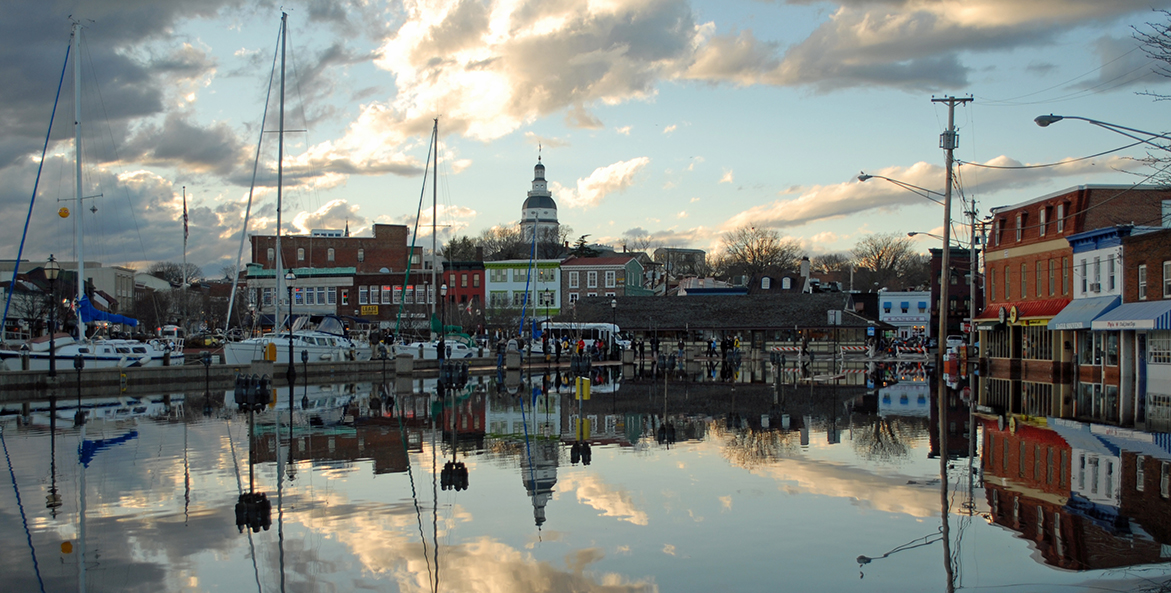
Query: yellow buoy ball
63 212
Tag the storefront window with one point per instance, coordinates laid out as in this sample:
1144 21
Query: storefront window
1112 349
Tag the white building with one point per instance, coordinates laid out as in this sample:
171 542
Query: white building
909 311
505 283
539 212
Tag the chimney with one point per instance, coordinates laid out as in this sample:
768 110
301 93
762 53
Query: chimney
479 253
805 267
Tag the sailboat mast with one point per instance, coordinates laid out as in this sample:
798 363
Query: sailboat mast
280 170
184 258
434 219
77 165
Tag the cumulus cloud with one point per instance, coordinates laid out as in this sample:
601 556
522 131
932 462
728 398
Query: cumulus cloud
601 183
727 177
670 128
823 202
624 130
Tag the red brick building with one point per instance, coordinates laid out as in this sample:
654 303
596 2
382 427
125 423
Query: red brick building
387 248
1029 279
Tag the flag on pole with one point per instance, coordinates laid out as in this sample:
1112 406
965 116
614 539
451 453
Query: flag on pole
184 216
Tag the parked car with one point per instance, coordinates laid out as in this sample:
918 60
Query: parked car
955 341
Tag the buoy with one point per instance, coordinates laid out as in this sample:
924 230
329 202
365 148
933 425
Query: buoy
63 212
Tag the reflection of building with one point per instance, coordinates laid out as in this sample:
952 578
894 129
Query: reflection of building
905 398
503 417
1087 496
381 444
539 473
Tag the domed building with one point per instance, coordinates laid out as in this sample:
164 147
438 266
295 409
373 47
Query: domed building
539 212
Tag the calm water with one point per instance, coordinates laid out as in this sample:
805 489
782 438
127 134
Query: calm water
750 496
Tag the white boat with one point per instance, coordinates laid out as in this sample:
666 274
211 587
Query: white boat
430 350
97 352
327 341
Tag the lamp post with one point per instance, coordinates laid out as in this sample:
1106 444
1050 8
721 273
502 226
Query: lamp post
441 348
614 330
52 272
290 279
914 233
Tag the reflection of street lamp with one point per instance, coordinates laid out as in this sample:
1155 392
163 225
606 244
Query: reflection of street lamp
52 271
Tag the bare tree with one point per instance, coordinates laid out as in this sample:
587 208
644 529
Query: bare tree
1156 43
831 262
886 256
173 272
750 251
503 242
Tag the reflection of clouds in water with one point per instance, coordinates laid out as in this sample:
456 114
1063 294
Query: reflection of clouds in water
726 501
883 493
378 537
669 549
599 495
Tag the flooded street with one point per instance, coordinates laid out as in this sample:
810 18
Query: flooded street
683 487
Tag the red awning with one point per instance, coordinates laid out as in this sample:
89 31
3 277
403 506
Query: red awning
1039 308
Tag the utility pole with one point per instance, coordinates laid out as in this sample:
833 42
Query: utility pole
948 142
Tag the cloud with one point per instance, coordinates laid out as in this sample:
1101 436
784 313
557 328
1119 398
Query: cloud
592 491
726 177
1123 64
493 67
682 214
624 130
669 129
823 202
601 183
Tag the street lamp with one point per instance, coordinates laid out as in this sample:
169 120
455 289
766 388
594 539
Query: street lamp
614 330
290 279
1045 120
913 233
922 191
52 272
441 350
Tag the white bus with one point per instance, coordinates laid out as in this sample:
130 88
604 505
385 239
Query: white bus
606 333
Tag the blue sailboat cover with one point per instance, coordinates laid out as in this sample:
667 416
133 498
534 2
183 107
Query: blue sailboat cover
89 313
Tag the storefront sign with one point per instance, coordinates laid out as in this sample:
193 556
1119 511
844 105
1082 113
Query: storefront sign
369 309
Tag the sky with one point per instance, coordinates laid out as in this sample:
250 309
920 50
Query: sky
660 122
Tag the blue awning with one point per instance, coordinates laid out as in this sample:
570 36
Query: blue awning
1080 313
905 305
1152 315
886 305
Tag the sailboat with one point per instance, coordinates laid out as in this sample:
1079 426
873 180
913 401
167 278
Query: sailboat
96 352
327 341
455 345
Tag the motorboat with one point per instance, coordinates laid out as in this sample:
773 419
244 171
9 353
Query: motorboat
327 341
95 353
429 350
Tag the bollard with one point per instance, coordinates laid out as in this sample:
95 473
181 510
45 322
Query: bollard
167 358
512 360
24 362
404 364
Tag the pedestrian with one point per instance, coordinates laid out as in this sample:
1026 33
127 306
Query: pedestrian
557 349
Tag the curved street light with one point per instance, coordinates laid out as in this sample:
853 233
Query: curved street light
922 191
1045 120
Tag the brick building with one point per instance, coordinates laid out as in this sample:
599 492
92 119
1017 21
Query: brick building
387 248
1136 335
619 275
1029 279
959 291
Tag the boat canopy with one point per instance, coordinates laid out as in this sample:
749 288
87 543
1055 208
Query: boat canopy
90 314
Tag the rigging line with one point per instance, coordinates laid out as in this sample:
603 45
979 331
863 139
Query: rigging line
434 497
252 187
20 505
304 118
414 494
33 200
1066 162
414 238
1093 90
1060 84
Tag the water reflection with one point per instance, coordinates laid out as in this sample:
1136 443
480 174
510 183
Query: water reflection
690 485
